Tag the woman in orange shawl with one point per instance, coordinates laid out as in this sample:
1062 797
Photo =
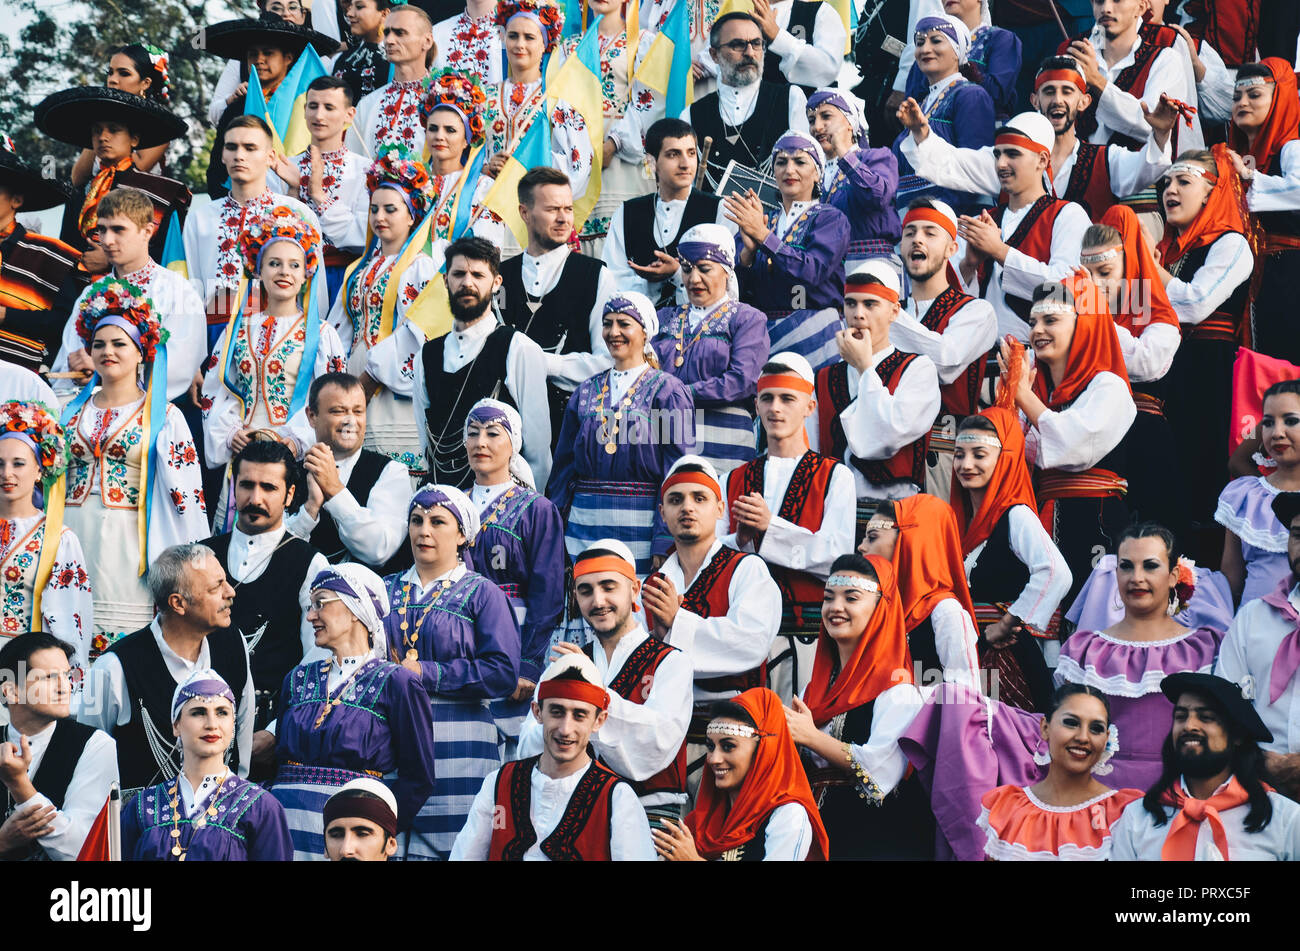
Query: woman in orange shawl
1117 256
754 803
860 700
1017 576
919 537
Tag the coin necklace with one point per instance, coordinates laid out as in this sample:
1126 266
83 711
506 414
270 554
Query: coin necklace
611 447
175 805
332 700
409 637
500 507
682 323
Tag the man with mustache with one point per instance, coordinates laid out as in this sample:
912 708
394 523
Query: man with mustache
1210 802
480 357
265 562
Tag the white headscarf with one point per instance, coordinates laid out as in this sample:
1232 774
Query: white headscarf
954 31
489 410
711 242
363 593
637 306
454 501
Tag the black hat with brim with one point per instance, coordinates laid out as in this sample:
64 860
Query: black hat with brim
38 193
1286 506
232 39
67 115
1224 692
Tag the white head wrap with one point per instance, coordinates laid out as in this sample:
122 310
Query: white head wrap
363 593
638 306
954 31
454 501
711 242
494 411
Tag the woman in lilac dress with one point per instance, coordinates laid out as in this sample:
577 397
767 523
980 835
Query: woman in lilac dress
353 714
206 813
623 429
455 630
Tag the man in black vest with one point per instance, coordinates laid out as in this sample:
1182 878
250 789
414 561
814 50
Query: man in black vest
265 563
553 295
355 497
480 357
129 690
56 771
641 249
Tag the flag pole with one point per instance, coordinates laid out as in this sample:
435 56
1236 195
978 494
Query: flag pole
115 823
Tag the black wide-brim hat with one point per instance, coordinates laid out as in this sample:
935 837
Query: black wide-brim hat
1227 694
38 193
67 115
232 39
1286 506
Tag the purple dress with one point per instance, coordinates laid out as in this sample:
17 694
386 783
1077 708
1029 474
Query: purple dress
863 189
467 640
802 271
1246 509
380 729
722 358
249 826
616 494
1129 673
997 53
1098 607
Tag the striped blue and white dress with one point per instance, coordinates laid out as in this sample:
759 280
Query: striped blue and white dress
466 638
378 727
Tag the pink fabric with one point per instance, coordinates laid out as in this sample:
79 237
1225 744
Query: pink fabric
1287 659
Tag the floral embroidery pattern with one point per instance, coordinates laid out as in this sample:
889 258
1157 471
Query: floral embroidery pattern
268 376
398 118
230 223
333 165
107 458
472 43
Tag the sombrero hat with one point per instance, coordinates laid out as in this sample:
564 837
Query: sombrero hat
67 115
231 39
17 176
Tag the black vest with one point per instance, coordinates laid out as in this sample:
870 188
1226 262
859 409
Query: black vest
451 395
325 537
1279 222
998 575
757 134
803 17
1234 307
51 779
150 686
270 599
639 238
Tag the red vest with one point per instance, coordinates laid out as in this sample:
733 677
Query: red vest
1033 236
633 683
960 397
833 397
1132 79
583 832
1090 181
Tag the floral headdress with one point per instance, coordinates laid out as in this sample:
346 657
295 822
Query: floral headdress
159 60
1184 585
397 166
451 88
278 224
118 302
34 424
550 18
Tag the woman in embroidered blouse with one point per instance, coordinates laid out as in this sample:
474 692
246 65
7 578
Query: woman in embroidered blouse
622 431
34 452
207 813
1254 541
1067 815
455 630
370 311
355 713
268 356
130 449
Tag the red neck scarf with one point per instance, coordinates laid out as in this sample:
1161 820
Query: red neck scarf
927 558
1009 485
1281 125
776 777
1139 273
99 186
1225 211
1180 843
1093 349
880 660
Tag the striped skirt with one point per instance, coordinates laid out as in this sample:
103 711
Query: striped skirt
725 436
620 510
465 750
302 791
809 333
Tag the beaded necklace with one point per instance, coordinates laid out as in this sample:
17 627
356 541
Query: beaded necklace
611 447
411 634
682 323
335 697
211 813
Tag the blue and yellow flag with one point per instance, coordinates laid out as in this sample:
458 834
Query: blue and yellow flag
667 65
286 111
578 83
532 151
173 254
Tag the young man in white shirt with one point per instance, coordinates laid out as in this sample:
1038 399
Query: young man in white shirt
391 114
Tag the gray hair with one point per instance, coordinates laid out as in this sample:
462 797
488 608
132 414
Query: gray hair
167 574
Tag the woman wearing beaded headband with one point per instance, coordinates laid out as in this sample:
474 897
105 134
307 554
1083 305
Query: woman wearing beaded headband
622 431
754 802
140 69
456 631
134 482
269 354
370 313
206 813
715 345
355 713
42 568
859 701
520 546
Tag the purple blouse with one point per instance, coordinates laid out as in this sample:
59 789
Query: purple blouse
249 826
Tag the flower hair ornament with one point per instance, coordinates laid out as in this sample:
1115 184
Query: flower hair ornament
549 18
461 92
159 60
280 223
1184 585
111 300
398 167
1103 765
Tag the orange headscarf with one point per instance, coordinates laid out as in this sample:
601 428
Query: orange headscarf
775 777
1281 125
1139 272
928 558
1094 348
1225 211
1009 485
880 660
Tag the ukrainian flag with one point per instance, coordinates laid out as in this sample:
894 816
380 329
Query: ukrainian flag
533 150
578 84
173 254
286 111
667 65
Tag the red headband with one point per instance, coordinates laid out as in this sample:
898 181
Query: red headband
1013 138
930 214
568 689
785 381
697 478
1068 75
588 566
874 289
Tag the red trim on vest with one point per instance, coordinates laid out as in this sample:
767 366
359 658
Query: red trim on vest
1090 181
961 396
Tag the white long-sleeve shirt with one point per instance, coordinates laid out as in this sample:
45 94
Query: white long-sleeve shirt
1247 654
1214 91
540 275
346 207
1228 264
629 828
67 608
525 379
249 557
809 61
105 702
372 532
970 335
95 772
1278 192
1121 112
667 220
1049 575
955 637
1148 356
880 757
19 383
1078 437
